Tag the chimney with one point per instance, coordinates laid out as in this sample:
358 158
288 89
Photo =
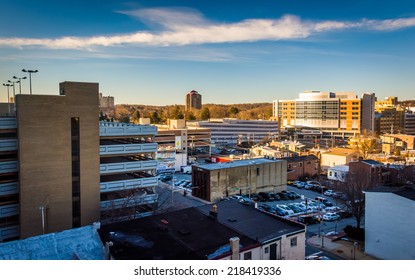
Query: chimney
234 242
213 213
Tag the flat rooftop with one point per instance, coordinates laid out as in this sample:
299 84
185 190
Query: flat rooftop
252 222
236 163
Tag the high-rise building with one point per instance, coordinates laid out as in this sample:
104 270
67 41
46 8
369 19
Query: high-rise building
368 113
61 169
337 113
193 100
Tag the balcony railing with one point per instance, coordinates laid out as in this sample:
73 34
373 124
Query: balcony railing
127 149
8 166
129 166
128 184
128 202
8 145
8 123
9 210
9 232
122 129
9 188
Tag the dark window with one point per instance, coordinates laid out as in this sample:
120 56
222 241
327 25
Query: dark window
248 255
293 242
76 188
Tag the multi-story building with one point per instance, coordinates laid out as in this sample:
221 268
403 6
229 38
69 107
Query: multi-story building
214 181
128 166
193 100
233 131
339 114
410 123
106 101
302 167
337 156
192 143
389 116
56 175
368 113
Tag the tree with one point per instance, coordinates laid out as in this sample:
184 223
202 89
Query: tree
136 117
233 110
155 117
190 116
176 113
365 145
205 115
356 182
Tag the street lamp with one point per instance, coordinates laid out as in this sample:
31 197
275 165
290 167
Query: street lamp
20 82
14 94
30 77
8 95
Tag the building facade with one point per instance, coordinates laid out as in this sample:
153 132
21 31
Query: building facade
193 100
339 113
337 156
389 116
301 167
233 131
410 123
128 176
62 169
214 181
51 169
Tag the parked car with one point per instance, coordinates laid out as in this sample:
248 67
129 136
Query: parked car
262 196
275 196
245 201
266 207
286 208
331 217
308 220
283 196
344 214
329 192
279 211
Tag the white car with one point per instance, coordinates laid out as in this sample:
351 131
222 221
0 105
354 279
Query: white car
286 208
329 192
331 217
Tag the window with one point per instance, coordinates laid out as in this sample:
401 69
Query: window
248 255
266 251
293 242
289 166
330 173
301 164
257 171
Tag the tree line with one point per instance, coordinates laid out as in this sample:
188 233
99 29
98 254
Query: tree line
160 114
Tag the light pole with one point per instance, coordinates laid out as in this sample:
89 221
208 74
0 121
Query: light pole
30 77
14 94
8 95
20 82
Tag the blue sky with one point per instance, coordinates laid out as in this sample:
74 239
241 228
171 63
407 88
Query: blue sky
154 52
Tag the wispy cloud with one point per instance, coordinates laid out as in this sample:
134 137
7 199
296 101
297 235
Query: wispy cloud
178 27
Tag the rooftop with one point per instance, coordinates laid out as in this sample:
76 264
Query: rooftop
235 163
252 222
179 235
76 244
406 191
340 152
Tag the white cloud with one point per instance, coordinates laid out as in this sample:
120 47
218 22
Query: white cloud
188 27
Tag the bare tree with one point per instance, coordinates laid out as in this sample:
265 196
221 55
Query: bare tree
356 182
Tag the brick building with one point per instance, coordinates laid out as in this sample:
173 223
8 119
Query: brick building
302 166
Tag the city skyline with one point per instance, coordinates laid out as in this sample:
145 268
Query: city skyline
155 52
